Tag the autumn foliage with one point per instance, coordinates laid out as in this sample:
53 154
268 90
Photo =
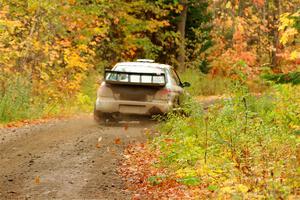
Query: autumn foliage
246 147
256 33
53 51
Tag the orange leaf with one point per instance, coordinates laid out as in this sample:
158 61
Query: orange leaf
113 152
37 180
117 141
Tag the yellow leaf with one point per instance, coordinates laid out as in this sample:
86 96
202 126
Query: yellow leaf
295 55
227 189
180 7
288 35
37 180
45 76
72 2
284 39
228 5
242 188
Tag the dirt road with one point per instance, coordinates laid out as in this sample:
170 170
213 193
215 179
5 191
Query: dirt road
64 160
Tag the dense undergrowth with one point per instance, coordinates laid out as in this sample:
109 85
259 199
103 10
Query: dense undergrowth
19 100
246 147
205 84
208 85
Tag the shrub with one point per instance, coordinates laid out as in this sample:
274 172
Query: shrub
16 101
292 77
244 147
19 101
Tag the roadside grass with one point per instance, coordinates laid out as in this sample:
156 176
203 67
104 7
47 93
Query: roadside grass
204 85
86 98
245 148
19 102
16 101
208 85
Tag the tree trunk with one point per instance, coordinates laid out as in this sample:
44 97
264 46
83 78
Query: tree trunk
241 8
275 36
181 29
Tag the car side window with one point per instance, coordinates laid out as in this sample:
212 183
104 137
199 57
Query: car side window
175 77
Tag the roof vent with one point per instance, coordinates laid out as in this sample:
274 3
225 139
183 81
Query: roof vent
145 60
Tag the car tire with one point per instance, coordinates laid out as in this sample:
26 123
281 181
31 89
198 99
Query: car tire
102 118
99 117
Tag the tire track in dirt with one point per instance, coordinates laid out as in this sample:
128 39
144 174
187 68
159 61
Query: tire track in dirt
61 160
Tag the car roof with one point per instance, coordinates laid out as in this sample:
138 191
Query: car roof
144 64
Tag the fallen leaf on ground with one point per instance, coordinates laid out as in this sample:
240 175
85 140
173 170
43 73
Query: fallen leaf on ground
113 152
117 141
37 180
98 145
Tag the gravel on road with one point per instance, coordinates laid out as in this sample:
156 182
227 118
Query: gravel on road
65 159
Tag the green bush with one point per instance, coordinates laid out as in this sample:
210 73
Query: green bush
245 147
86 98
292 77
16 100
19 102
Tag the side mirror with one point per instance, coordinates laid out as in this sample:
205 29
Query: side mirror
185 84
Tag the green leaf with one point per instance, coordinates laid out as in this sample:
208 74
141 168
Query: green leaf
156 180
212 188
190 180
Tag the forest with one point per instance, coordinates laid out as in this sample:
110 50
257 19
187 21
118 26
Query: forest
54 52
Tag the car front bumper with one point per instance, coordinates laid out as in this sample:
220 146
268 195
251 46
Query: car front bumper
108 105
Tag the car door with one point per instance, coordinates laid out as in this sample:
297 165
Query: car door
176 86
